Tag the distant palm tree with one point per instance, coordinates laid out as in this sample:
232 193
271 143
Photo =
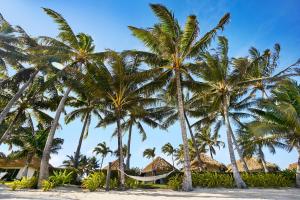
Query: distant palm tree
150 154
209 141
84 109
170 49
169 150
102 150
31 144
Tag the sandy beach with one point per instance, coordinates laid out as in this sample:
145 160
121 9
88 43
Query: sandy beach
221 194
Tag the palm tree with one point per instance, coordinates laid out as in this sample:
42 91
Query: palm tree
102 150
121 88
31 144
170 48
279 116
84 109
253 144
77 51
169 150
208 141
138 116
32 105
221 84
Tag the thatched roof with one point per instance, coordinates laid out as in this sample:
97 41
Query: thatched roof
19 163
209 164
254 165
114 165
159 165
292 166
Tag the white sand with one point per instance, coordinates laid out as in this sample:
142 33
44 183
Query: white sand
72 193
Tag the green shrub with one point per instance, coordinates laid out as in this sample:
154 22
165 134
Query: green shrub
94 181
24 183
131 183
113 184
175 182
212 180
267 180
61 177
47 185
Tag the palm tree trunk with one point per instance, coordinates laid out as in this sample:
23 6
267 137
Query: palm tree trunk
28 161
44 168
263 161
198 157
128 148
17 96
237 177
10 127
173 160
187 181
77 153
298 168
101 162
121 160
245 166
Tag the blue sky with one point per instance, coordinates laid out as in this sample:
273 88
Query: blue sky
253 23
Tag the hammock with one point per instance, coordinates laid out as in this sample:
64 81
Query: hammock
148 178
2 174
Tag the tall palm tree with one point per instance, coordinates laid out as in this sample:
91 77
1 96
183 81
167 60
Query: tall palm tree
84 109
122 88
102 150
209 141
31 143
77 51
172 46
222 83
169 150
279 116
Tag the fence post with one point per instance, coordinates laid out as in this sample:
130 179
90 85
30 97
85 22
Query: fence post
108 177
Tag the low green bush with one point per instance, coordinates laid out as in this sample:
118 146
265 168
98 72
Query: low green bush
113 184
175 182
267 180
212 180
47 185
94 181
24 183
131 183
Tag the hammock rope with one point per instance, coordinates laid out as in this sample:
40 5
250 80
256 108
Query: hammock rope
148 178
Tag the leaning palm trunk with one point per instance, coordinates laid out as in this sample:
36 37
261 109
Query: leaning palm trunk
245 166
17 96
77 153
44 168
128 149
121 161
187 181
28 161
298 168
198 158
263 161
237 177
10 127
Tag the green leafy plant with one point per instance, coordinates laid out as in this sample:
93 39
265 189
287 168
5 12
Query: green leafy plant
94 181
268 180
61 177
47 185
175 182
132 184
23 183
113 184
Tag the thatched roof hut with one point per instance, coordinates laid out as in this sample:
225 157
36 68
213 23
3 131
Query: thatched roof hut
114 165
160 166
6 163
209 164
254 165
292 166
